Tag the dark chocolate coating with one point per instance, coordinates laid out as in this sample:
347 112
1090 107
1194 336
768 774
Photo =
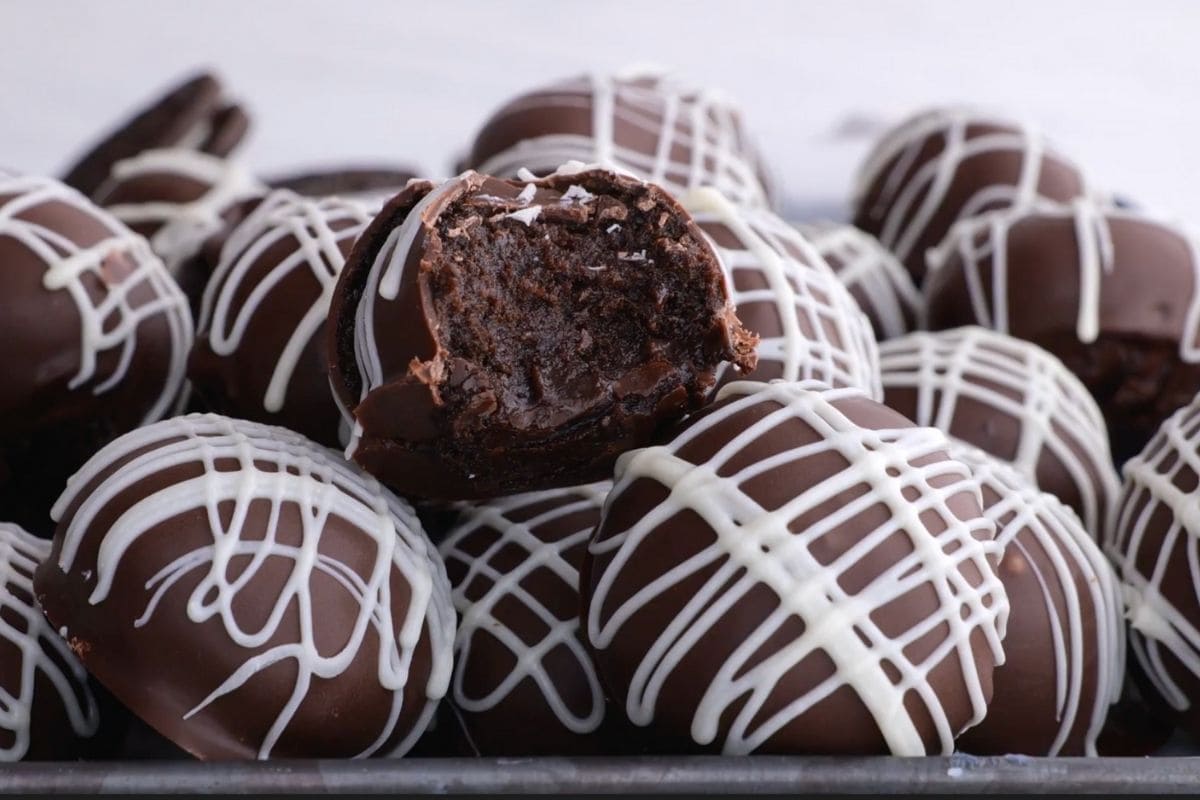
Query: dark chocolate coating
725 596
163 660
197 104
1134 366
49 427
344 181
948 151
274 275
538 541
509 361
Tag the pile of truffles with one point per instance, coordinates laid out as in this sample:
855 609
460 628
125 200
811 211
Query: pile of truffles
586 450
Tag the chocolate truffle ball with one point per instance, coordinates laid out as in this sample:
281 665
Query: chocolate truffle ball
1154 548
46 706
1111 292
1065 644
260 343
877 281
809 327
524 683
798 570
179 199
94 337
1013 400
645 123
357 182
493 336
195 115
249 594
951 164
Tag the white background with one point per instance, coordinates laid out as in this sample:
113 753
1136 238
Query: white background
1116 84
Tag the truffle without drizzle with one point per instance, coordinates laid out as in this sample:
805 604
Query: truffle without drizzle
260 343
491 337
249 594
524 683
798 570
1013 400
1114 293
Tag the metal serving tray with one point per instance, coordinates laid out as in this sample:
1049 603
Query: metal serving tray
691 775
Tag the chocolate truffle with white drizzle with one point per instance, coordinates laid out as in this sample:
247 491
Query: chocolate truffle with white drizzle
492 336
1013 400
524 684
951 164
249 594
798 570
1065 645
1154 547
809 327
1116 296
644 122
47 708
93 332
260 343
877 281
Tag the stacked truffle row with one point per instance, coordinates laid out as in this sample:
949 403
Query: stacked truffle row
645 420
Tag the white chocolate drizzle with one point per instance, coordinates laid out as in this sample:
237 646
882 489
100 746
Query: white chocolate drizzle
879 283
754 548
44 653
493 522
182 226
1158 530
824 334
976 244
1015 380
109 317
1068 564
316 231
282 469
699 140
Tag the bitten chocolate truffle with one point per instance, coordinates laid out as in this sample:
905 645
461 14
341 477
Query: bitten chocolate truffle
877 281
260 343
249 594
1013 400
491 336
1153 546
798 570
179 199
646 123
46 706
194 114
1113 293
1065 645
524 684
951 164
809 327
94 337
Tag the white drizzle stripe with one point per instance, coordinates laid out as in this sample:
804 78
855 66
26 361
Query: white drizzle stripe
864 266
110 322
755 548
1070 558
318 484
182 226
493 521
45 655
825 335
1157 483
1020 381
908 217
317 231
974 243
701 124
